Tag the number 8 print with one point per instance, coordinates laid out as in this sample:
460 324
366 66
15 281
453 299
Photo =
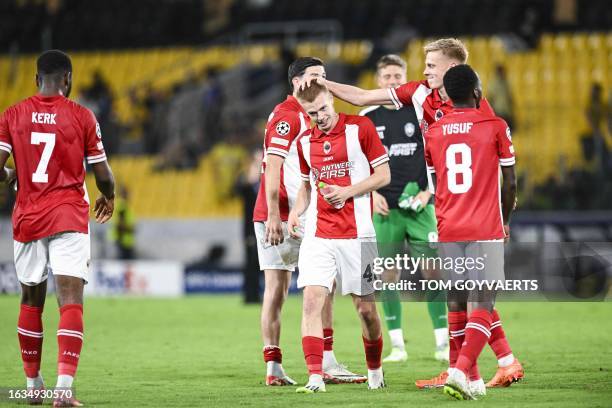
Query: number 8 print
464 167
40 175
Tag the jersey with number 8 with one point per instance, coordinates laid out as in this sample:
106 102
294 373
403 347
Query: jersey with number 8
50 137
465 149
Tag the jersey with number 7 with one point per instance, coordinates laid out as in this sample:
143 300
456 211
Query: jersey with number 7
465 150
50 137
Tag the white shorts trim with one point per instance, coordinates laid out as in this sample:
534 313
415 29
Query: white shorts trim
283 257
322 261
66 253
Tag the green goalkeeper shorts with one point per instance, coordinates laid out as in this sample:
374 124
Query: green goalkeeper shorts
418 229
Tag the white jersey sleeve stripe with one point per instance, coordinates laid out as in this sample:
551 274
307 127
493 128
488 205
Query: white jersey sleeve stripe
6 147
393 96
278 152
379 160
279 141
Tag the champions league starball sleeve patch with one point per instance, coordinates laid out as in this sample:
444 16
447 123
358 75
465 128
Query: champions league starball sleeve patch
283 128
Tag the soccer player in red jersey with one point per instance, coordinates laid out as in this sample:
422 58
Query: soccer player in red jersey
50 136
431 102
341 163
465 150
278 253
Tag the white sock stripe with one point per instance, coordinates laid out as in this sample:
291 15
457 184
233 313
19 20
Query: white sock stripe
271 348
24 331
38 336
495 324
478 327
70 335
70 331
458 331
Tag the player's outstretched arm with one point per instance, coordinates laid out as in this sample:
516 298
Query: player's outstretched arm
358 96
105 204
274 226
508 193
380 178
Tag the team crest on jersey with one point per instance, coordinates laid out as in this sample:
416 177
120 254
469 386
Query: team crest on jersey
282 128
508 134
439 114
98 131
409 129
326 147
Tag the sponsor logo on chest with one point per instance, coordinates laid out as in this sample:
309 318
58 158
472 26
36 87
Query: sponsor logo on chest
44 118
334 170
402 149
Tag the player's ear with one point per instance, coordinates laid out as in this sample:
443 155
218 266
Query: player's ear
38 81
478 96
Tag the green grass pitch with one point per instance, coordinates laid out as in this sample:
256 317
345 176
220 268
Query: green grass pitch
206 351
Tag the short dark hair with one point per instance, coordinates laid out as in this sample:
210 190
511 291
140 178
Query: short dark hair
53 62
460 82
298 67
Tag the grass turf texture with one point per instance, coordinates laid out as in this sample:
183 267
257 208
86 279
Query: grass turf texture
206 351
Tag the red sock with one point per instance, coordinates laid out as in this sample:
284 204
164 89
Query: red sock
456 328
476 336
313 353
69 339
328 338
373 352
273 353
497 341
474 373
30 333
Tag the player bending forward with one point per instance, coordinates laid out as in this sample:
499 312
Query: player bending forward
341 163
50 136
278 189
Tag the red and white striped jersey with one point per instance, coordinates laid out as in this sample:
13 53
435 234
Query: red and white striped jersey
465 150
285 125
427 102
344 156
50 137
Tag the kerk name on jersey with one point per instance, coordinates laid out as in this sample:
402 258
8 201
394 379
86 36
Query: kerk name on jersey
454 128
336 170
44 118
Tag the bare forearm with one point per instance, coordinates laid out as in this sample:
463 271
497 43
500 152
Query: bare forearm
508 194
377 180
272 176
272 180
358 96
106 186
302 200
104 179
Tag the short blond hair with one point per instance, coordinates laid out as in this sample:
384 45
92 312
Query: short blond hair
310 93
451 47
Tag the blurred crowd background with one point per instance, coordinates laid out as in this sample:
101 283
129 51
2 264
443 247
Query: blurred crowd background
182 89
